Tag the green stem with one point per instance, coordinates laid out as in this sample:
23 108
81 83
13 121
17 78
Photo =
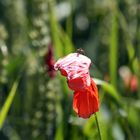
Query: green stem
98 127
113 56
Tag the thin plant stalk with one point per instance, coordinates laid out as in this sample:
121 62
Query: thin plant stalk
98 127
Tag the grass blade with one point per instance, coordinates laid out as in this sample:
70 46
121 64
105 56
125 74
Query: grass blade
114 50
109 88
7 104
55 30
62 42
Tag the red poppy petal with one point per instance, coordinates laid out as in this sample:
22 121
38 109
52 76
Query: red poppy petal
75 101
63 72
77 83
94 95
86 102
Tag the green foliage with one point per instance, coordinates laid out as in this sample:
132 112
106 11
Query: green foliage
109 88
114 49
7 104
62 43
108 32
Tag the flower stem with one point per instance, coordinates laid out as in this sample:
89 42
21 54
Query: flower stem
98 127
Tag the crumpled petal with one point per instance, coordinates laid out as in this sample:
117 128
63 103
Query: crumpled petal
79 83
73 65
76 68
86 102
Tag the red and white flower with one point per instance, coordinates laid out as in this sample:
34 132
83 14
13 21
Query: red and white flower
75 67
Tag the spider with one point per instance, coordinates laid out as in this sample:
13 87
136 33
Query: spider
80 51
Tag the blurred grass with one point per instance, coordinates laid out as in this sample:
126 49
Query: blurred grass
61 40
109 88
8 103
114 49
55 30
108 33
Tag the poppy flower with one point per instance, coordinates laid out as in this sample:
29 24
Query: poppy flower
130 80
75 67
49 61
134 83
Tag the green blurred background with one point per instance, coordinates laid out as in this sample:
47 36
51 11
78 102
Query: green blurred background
35 102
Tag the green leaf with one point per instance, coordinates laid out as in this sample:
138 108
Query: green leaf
7 104
55 30
109 88
113 57
68 46
62 42
59 132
